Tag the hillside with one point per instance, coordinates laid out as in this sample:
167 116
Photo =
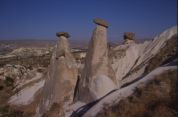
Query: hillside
125 80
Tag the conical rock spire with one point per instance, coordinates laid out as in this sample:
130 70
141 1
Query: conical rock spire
97 77
60 78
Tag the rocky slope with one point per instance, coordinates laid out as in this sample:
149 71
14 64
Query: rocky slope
136 67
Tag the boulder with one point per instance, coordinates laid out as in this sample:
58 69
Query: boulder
101 22
65 34
129 35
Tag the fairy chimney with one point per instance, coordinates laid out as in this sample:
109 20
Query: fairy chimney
129 37
60 78
97 77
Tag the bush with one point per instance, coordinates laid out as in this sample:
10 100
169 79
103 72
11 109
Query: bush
1 87
6 111
9 82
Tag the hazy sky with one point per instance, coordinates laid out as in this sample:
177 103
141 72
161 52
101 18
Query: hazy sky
41 19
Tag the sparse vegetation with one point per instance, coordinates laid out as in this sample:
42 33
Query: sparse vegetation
6 111
157 99
166 54
1 87
54 110
5 92
9 82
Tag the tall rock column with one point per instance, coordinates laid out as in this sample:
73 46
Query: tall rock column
60 78
97 77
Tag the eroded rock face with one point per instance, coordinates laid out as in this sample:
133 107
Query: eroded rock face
61 78
130 61
97 77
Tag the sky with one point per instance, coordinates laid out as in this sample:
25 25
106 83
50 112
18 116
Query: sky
41 19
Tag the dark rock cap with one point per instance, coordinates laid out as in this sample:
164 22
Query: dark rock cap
65 34
101 22
129 35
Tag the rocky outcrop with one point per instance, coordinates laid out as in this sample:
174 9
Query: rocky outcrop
97 78
60 79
